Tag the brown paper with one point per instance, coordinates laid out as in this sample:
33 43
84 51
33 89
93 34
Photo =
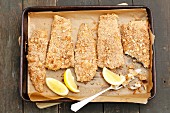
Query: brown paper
43 20
45 105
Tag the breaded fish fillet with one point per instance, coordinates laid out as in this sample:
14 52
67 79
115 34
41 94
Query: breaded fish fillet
136 41
60 52
109 47
37 47
85 54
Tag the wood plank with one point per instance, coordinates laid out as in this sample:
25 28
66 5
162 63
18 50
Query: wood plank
114 2
30 107
9 56
91 108
28 3
121 108
161 15
77 2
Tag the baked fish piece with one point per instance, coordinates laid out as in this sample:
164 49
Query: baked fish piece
37 47
60 52
109 46
136 41
85 54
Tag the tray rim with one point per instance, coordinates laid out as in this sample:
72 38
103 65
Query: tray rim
23 94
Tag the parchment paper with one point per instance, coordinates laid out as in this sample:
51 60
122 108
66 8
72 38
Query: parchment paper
43 20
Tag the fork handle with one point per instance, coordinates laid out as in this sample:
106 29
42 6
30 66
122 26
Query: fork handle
75 107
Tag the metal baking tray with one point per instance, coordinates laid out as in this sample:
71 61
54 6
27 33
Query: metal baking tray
24 39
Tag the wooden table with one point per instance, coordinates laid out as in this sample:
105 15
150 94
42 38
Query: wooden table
10 23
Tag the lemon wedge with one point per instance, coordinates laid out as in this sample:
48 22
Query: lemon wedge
70 82
112 78
57 86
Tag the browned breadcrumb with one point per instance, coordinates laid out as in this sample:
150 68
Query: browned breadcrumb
37 46
85 54
136 42
109 47
60 52
134 84
142 77
131 66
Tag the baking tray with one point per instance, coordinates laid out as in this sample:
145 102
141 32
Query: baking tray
24 39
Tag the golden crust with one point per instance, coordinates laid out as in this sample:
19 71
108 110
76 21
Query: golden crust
37 46
136 41
60 52
109 47
85 54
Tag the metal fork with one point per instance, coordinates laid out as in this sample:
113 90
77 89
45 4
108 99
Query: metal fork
76 106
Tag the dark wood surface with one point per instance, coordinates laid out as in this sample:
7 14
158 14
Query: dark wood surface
10 22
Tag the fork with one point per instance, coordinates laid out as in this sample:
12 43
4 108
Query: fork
76 106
